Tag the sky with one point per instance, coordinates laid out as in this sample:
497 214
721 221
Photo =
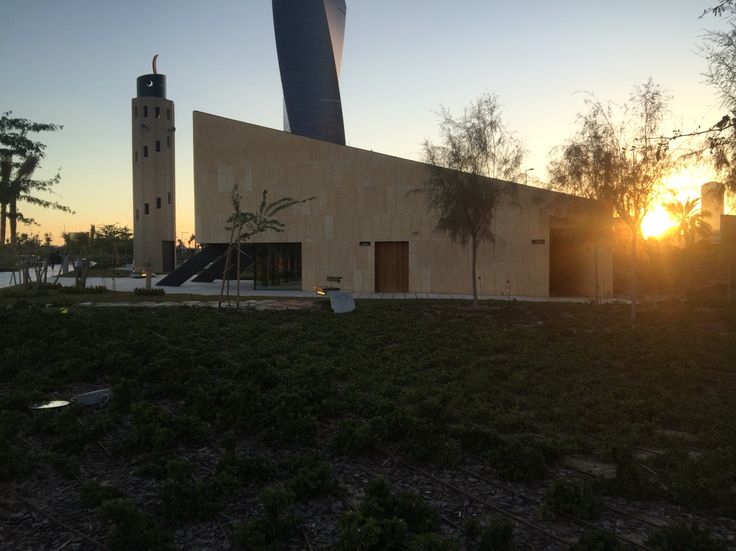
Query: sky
75 62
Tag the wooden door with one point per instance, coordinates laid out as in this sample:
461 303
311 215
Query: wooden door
392 266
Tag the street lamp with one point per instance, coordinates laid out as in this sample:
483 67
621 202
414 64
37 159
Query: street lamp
526 175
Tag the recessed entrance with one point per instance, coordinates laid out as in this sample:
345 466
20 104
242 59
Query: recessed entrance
567 260
392 266
167 256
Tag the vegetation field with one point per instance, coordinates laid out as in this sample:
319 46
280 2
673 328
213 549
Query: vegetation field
420 425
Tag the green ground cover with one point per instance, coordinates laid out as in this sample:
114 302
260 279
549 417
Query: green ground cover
518 386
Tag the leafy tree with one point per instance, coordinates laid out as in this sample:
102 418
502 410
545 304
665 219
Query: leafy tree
111 237
618 158
476 152
691 222
719 50
19 158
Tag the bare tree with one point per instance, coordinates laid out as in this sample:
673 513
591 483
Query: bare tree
475 153
618 156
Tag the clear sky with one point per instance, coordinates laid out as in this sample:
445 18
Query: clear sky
75 62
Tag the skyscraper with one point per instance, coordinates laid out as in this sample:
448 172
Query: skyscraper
309 42
154 221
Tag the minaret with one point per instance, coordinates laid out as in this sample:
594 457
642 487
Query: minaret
154 199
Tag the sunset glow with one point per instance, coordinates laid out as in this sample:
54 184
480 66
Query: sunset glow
679 186
656 222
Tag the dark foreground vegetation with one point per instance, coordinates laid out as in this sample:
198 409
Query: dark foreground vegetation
404 425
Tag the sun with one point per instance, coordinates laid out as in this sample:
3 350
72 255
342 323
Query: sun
656 222
679 186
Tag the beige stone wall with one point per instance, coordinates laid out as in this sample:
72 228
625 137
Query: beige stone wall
366 196
153 179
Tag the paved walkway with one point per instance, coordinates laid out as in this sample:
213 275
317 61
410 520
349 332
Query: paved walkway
128 284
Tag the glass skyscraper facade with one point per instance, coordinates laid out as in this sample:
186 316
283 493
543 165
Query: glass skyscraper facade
309 43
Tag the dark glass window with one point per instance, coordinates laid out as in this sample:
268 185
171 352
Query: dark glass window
158 112
158 202
145 208
135 112
168 114
145 151
169 198
145 110
168 141
278 266
158 145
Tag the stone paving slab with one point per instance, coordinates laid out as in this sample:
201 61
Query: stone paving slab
244 304
129 284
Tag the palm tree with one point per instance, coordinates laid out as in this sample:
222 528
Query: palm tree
19 158
690 220
17 185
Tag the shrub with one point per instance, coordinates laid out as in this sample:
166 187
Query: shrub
153 292
133 530
684 537
632 481
353 438
275 527
93 494
248 469
14 462
312 477
519 462
188 501
30 291
497 535
432 542
597 540
477 439
386 520
708 482
97 289
573 498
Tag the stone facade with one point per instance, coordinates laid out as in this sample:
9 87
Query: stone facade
362 197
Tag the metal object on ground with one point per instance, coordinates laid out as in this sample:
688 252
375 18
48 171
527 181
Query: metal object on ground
341 302
53 404
93 398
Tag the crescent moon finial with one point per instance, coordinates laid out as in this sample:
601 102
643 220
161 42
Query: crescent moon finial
155 72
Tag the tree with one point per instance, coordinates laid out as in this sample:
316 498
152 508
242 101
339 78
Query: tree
19 158
690 219
244 225
111 237
719 50
475 154
618 158
721 8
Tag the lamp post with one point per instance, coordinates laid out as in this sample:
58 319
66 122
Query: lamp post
526 175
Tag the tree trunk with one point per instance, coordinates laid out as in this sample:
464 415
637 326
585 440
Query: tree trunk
3 221
474 244
634 277
13 215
